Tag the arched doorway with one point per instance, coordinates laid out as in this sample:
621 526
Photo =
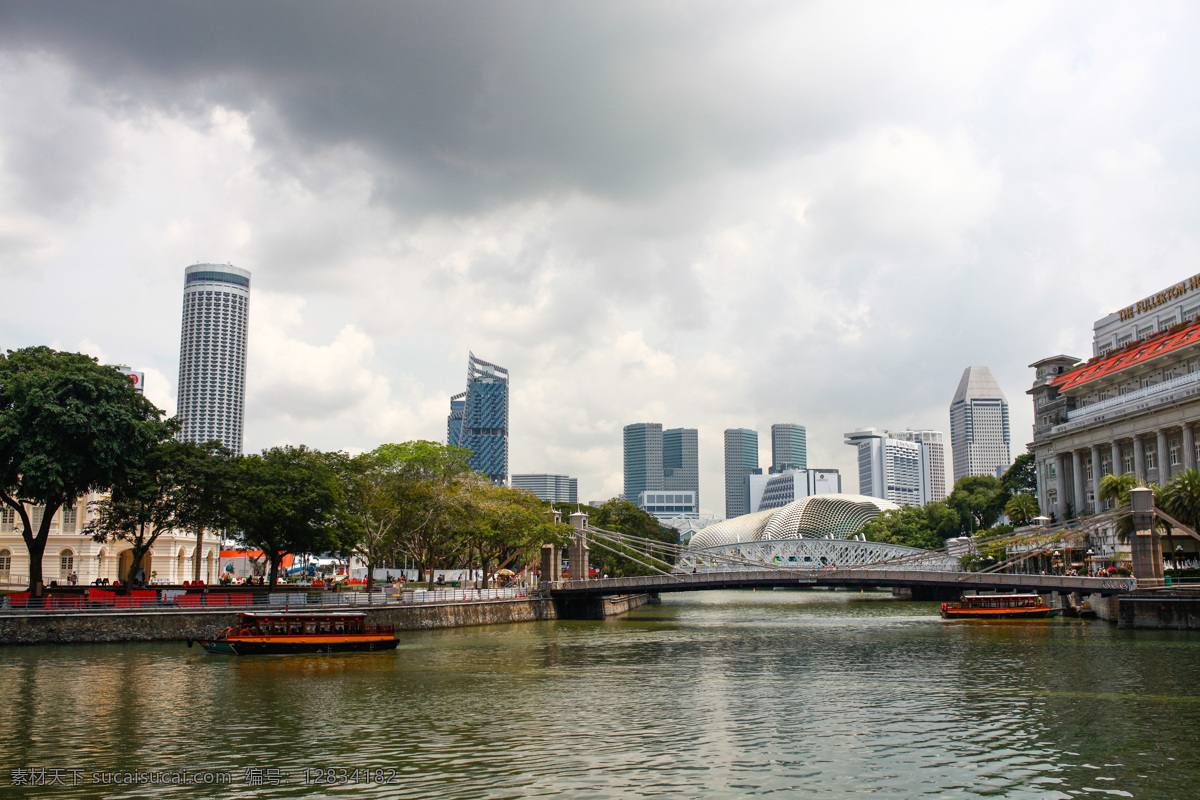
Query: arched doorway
180 565
126 560
209 568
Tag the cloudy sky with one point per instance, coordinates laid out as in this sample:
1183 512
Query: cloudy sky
705 214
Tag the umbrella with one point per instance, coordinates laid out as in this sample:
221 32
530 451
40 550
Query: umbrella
504 573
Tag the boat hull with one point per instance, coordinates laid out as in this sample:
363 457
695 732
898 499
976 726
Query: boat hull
262 646
999 613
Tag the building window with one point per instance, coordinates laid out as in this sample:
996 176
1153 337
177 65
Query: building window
8 516
69 517
1127 460
35 517
5 563
1175 450
1053 470
66 564
1106 464
1088 469
1151 456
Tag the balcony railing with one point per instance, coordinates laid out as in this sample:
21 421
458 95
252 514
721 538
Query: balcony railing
1144 394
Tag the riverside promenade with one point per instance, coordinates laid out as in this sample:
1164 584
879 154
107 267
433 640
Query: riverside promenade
414 610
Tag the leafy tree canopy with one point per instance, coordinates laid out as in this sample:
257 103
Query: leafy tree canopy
1021 477
286 500
979 501
927 527
67 426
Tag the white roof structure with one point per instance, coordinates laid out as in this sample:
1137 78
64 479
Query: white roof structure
820 516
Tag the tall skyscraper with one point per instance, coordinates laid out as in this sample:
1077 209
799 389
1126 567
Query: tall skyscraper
212 354
478 419
789 447
741 459
979 432
681 461
643 443
906 468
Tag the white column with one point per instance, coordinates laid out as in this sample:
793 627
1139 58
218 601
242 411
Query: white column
1118 467
1077 477
1164 463
1060 508
1139 459
1189 447
1097 474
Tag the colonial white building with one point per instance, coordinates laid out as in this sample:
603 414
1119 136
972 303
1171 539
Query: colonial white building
70 550
1132 408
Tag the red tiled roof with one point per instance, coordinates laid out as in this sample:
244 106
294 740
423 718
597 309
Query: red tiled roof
1130 355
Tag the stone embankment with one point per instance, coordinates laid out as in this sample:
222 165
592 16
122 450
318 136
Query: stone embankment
148 626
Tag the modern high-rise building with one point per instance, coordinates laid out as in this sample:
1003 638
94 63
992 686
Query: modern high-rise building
901 467
212 354
933 460
551 488
478 419
979 430
681 462
643 444
789 447
741 459
658 460
777 489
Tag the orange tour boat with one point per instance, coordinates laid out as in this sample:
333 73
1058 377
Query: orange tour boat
998 606
269 633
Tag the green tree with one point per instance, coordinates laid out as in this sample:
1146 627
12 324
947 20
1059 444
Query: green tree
979 500
1116 488
1182 500
1021 476
434 495
374 507
67 426
285 500
177 485
504 524
927 527
1022 508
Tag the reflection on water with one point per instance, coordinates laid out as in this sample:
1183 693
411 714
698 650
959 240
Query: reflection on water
719 694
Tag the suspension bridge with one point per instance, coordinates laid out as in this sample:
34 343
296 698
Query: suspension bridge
810 563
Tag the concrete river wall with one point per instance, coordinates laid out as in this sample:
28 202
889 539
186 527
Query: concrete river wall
146 626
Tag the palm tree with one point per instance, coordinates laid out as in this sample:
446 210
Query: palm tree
1182 501
1117 488
1022 508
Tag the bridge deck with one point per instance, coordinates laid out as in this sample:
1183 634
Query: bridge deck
799 578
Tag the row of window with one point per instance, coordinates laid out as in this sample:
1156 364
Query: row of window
66 563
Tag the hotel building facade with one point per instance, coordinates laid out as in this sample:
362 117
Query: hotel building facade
1132 408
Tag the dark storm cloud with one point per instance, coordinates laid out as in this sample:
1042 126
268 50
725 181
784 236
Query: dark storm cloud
465 102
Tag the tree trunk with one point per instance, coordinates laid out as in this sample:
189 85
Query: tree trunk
36 545
370 582
139 554
276 557
37 549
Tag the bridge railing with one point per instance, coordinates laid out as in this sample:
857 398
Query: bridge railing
780 577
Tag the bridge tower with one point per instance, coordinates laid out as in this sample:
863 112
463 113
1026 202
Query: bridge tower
577 551
1146 545
551 557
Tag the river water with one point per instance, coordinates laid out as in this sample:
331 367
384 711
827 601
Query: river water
709 695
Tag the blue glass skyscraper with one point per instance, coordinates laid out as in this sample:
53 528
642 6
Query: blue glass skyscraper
478 419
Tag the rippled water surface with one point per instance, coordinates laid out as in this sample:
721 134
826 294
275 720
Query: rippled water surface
709 695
